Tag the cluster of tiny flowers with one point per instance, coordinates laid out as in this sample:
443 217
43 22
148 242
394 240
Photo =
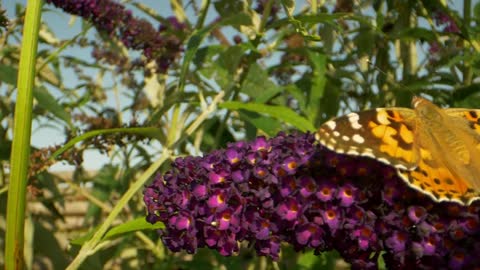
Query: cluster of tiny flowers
274 10
289 189
138 34
443 19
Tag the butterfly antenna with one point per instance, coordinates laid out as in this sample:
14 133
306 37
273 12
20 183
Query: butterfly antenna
393 82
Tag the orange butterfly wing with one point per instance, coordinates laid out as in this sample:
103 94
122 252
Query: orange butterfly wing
442 160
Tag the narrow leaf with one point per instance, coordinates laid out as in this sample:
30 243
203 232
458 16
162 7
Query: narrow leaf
49 103
279 112
138 224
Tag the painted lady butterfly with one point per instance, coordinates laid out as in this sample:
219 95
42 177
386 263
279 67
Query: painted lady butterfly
436 151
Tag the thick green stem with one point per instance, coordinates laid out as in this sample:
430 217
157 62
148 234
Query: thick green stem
14 257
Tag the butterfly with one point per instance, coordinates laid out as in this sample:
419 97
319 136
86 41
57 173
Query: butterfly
435 151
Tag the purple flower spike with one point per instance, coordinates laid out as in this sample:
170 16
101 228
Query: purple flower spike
113 19
290 189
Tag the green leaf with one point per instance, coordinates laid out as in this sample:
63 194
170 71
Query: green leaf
228 8
258 85
138 224
466 91
8 74
317 89
230 58
476 11
48 102
289 5
282 113
150 132
5 149
326 260
211 138
204 56
312 19
46 245
415 34
308 260
264 123
223 70
197 38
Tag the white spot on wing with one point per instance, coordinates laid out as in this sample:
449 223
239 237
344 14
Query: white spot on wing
358 139
353 118
383 160
352 152
382 117
401 167
345 138
331 124
368 154
336 133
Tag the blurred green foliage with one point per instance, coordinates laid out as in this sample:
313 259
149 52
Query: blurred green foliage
282 65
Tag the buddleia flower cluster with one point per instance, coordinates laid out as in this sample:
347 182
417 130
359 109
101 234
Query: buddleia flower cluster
114 19
290 190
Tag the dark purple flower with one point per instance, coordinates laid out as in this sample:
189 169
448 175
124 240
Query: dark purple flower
310 234
290 165
416 214
290 189
443 19
260 144
326 192
289 209
307 186
458 259
346 195
269 247
199 190
112 18
365 236
233 156
226 219
397 242
332 217
216 178
217 199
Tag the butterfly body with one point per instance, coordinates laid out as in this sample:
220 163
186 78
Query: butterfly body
435 150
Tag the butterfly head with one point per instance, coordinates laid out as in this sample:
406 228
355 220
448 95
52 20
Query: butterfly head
419 101
426 109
